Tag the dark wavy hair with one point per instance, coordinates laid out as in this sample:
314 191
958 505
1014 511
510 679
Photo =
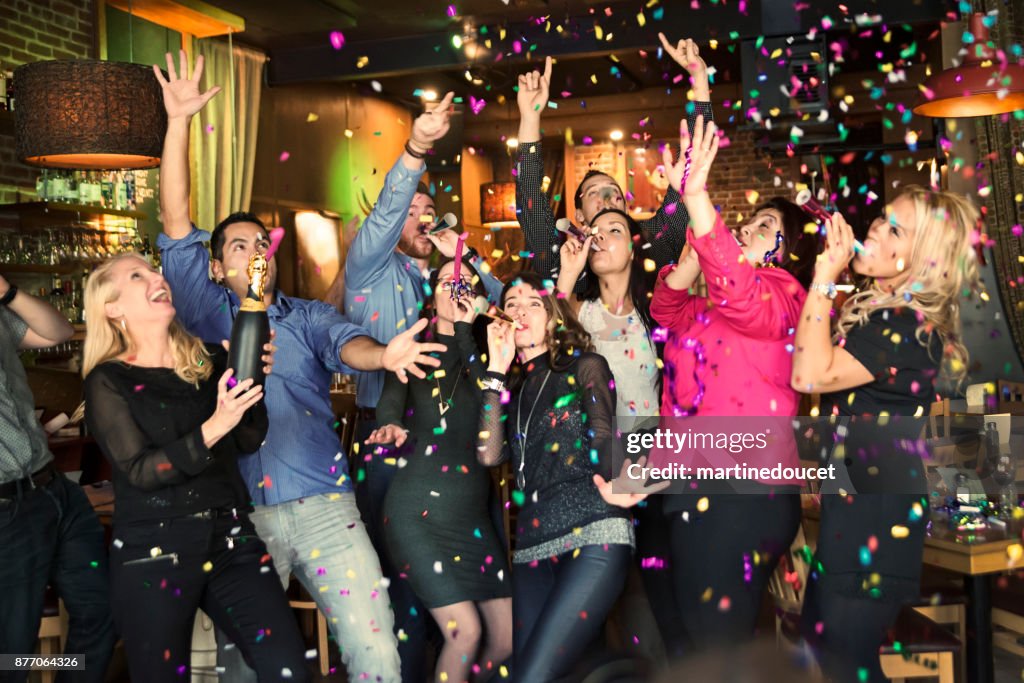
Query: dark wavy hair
801 246
590 174
641 282
429 311
217 237
566 339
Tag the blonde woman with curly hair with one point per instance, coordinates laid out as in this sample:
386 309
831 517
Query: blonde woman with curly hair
162 407
890 343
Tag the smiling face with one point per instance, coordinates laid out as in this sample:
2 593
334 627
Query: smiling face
616 243
598 192
144 297
421 216
241 240
889 244
758 237
527 307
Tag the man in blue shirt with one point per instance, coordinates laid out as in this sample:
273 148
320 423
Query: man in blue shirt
386 273
298 479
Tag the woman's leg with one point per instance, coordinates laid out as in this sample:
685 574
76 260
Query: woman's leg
585 588
722 559
497 616
460 626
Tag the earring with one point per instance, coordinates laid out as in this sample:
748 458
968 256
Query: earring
124 326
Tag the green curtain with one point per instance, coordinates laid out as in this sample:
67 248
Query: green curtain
224 133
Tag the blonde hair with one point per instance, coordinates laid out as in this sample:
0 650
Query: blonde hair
943 268
105 339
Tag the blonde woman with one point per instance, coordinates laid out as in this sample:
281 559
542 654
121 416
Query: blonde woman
889 345
160 406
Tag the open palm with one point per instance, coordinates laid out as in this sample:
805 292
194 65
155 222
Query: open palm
182 97
689 173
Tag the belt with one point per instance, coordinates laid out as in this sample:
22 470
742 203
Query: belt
215 513
367 413
41 478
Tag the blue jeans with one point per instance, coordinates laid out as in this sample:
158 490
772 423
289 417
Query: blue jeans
321 540
51 535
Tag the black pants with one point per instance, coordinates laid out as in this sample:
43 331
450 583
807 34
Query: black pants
850 604
161 572
654 549
719 584
559 606
51 535
413 623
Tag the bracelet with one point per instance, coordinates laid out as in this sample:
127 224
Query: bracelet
9 296
492 384
413 153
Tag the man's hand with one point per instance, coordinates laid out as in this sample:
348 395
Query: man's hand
445 242
686 54
533 91
630 491
431 126
404 354
182 98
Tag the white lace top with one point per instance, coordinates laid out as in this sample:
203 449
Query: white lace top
624 343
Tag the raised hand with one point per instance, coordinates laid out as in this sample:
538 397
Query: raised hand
573 258
533 91
686 54
182 98
466 309
501 346
431 126
630 491
404 354
445 242
838 250
233 402
689 173
388 434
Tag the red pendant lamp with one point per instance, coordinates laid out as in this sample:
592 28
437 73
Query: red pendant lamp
981 86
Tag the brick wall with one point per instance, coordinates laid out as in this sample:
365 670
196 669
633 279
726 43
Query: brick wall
738 173
30 31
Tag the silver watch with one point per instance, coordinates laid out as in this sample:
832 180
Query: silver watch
826 289
492 384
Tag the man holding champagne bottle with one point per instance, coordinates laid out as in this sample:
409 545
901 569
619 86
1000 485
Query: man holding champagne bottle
304 507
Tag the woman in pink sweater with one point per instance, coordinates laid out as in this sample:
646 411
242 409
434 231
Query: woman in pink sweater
727 370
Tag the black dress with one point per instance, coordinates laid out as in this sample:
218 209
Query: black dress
438 525
870 547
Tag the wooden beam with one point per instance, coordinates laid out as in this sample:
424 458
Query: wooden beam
185 16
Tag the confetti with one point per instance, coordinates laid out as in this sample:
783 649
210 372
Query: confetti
337 40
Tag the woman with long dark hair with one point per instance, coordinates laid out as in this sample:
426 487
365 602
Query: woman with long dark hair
160 406
438 526
882 359
554 421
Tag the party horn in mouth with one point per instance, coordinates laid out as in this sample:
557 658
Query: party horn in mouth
496 313
443 223
566 226
806 201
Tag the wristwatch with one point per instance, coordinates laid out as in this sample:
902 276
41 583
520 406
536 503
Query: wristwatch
8 297
826 289
492 384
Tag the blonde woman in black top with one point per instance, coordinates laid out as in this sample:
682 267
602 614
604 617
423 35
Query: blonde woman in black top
160 406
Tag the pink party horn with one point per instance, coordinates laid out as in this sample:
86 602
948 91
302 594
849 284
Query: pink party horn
276 235
564 225
806 201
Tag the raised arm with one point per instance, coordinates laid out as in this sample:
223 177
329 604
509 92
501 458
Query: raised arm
44 324
598 401
492 446
182 100
818 365
391 414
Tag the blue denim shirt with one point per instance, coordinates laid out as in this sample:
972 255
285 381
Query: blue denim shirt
301 455
384 289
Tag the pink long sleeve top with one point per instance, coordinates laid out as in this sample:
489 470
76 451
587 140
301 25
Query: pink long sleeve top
744 328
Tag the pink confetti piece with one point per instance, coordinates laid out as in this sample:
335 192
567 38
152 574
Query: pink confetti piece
452 12
337 40
284 156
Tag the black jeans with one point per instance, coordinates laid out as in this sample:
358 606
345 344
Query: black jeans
559 606
161 572
51 535
413 623
718 584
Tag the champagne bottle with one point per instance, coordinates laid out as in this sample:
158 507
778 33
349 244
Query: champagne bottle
251 330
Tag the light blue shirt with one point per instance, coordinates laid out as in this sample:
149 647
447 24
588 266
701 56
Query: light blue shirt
384 289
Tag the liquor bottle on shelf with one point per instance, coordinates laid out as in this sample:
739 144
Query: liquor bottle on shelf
107 190
73 187
120 191
129 185
147 251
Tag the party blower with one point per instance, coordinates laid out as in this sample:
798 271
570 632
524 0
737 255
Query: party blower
564 225
251 329
806 201
443 223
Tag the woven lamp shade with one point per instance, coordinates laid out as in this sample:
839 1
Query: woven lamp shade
88 114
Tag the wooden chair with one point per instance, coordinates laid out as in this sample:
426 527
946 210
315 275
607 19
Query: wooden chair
1008 616
53 630
299 599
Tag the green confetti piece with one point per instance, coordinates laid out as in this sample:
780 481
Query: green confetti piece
563 401
518 497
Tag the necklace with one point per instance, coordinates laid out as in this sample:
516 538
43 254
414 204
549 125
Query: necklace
442 404
521 473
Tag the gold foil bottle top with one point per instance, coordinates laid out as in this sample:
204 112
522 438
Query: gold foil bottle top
257 272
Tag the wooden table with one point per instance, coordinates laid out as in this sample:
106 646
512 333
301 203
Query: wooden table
101 497
1001 407
977 555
